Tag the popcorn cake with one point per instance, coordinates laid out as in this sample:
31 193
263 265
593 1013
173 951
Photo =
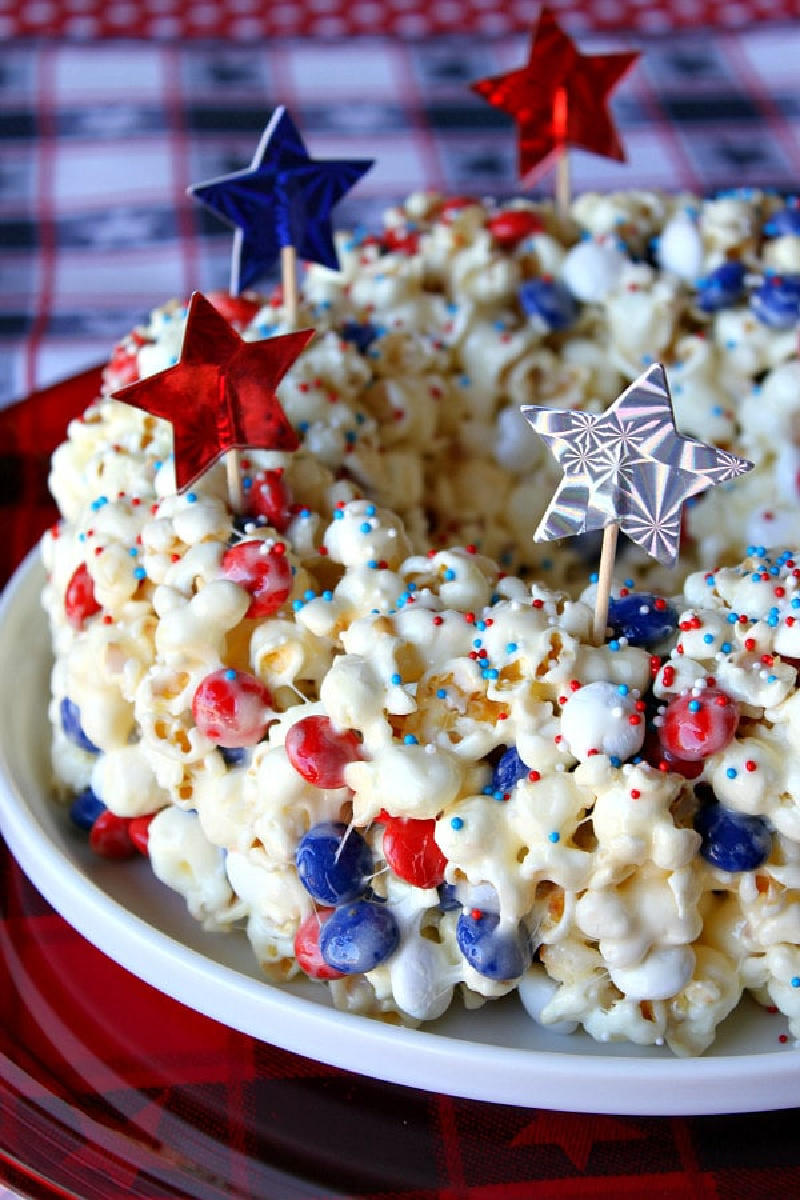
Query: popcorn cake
365 720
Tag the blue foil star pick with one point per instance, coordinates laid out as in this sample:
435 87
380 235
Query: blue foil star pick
284 198
628 466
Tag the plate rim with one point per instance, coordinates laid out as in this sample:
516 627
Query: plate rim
418 1058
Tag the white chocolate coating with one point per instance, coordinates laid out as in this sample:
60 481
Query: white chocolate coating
412 619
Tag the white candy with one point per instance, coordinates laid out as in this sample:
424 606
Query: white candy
597 720
592 269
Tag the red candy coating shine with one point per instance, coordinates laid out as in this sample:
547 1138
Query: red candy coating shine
696 726
412 853
262 571
319 752
110 836
510 227
232 708
79 599
139 832
270 497
238 310
306 946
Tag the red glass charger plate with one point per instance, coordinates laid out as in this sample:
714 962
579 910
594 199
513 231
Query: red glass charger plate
105 1081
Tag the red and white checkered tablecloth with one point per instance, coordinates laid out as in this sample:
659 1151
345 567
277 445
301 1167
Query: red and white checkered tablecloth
98 143
247 20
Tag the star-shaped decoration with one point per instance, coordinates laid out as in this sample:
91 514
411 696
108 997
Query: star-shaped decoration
575 1133
284 198
220 395
628 466
560 97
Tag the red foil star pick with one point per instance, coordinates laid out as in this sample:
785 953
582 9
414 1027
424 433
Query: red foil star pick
220 395
560 98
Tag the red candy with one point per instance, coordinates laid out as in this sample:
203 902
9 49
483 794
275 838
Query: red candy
262 571
412 853
123 367
319 752
510 227
238 310
696 726
232 708
139 832
269 497
306 946
401 241
110 836
79 599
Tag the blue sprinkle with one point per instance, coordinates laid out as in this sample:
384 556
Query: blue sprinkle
133 551
297 605
373 564
441 693
511 647
694 706
614 645
615 760
365 527
449 574
708 638
338 514
554 836
327 595
726 647
229 674
191 497
795 981
309 594
623 689
456 823
370 510
731 772
410 740
397 679
139 573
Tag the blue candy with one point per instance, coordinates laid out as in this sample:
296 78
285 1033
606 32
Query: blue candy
361 333
723 288
508 770
785 220
732 841
85 809
235 756
333 865
71 724
636 618
497 955
776 302
448 897
358 937
550 301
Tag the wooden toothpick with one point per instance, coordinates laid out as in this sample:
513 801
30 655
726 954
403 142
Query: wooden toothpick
233 466
560 118
604 574
289 284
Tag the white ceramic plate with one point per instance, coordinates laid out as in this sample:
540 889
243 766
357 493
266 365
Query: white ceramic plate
495 1054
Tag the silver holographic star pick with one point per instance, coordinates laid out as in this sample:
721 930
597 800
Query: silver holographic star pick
628 466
